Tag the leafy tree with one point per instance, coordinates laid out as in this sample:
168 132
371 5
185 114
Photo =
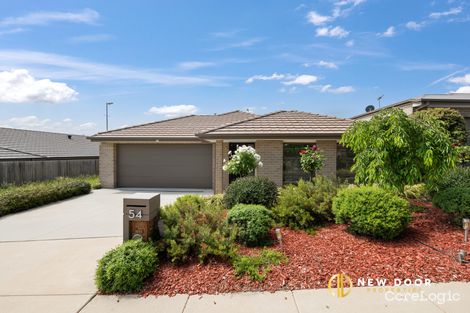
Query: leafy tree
450 119
394 150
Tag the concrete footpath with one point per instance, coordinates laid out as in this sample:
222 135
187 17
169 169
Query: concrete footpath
446 297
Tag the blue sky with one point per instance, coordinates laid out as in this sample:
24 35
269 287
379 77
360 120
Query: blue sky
60 61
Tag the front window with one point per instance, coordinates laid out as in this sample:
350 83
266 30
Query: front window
292 171
344 161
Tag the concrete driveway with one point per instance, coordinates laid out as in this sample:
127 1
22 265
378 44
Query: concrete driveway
48 255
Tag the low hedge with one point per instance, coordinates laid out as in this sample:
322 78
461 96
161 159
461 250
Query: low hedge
125 268
454 201
15 198
253 223
372 211
251 190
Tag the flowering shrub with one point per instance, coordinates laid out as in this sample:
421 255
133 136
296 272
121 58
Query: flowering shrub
243 162
311 160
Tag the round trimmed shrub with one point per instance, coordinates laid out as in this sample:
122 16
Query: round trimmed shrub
454 201
307 204
253 223
125 268
372 211
251 190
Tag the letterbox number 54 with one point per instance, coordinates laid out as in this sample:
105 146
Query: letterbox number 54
134 214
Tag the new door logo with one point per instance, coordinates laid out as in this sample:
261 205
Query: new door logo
340 285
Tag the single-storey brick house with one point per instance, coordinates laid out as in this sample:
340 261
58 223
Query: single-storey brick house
188 152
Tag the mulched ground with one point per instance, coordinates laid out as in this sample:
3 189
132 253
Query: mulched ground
426 250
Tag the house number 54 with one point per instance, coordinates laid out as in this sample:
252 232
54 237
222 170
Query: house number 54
134 214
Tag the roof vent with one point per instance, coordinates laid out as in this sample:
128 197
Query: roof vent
370 108
69 136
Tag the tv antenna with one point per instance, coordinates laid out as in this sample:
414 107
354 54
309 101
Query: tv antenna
379 99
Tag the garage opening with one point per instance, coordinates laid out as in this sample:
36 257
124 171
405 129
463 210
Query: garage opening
164 166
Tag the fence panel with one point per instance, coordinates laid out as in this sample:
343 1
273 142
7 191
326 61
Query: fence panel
22 171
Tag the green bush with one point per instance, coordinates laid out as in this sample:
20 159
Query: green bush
372 211
93 180
251 190
450 119
194 228
418 192
215 201
125 268
306 204
457 177
454 201
258 266
23 197
253 223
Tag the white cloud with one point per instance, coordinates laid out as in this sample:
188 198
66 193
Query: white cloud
194 65
18 86
63 67
349 43
338 90
301 80
86 16
389 32
87 126
327 64
225 34
453 11
174 110
30 121
11 31
349 2
463 89
463 80
415 25
46 124
91 38
274 76
337 31
240 44
317 19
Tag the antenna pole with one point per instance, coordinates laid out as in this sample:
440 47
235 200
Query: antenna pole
107 115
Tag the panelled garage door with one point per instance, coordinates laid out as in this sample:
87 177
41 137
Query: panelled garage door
165 165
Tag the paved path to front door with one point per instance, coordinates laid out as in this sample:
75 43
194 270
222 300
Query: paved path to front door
48 255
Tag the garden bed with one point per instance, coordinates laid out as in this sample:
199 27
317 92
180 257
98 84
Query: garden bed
313 259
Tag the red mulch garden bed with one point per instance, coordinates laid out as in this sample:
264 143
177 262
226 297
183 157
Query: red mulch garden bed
313 259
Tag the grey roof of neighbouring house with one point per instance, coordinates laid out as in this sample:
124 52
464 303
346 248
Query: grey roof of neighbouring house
180 128
29 144
282 124
453 98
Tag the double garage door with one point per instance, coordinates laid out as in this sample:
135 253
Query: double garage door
164 165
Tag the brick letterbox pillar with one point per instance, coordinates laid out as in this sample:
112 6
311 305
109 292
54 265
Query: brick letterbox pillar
140 215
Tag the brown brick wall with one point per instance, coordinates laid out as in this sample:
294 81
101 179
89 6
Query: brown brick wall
218 163
328 148
271 156
108 165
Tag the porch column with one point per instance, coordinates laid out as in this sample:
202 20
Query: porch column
328 148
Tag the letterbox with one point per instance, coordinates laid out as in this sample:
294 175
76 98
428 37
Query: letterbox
141 211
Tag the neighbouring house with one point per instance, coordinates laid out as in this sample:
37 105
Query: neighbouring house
27 155
189 151
457 101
